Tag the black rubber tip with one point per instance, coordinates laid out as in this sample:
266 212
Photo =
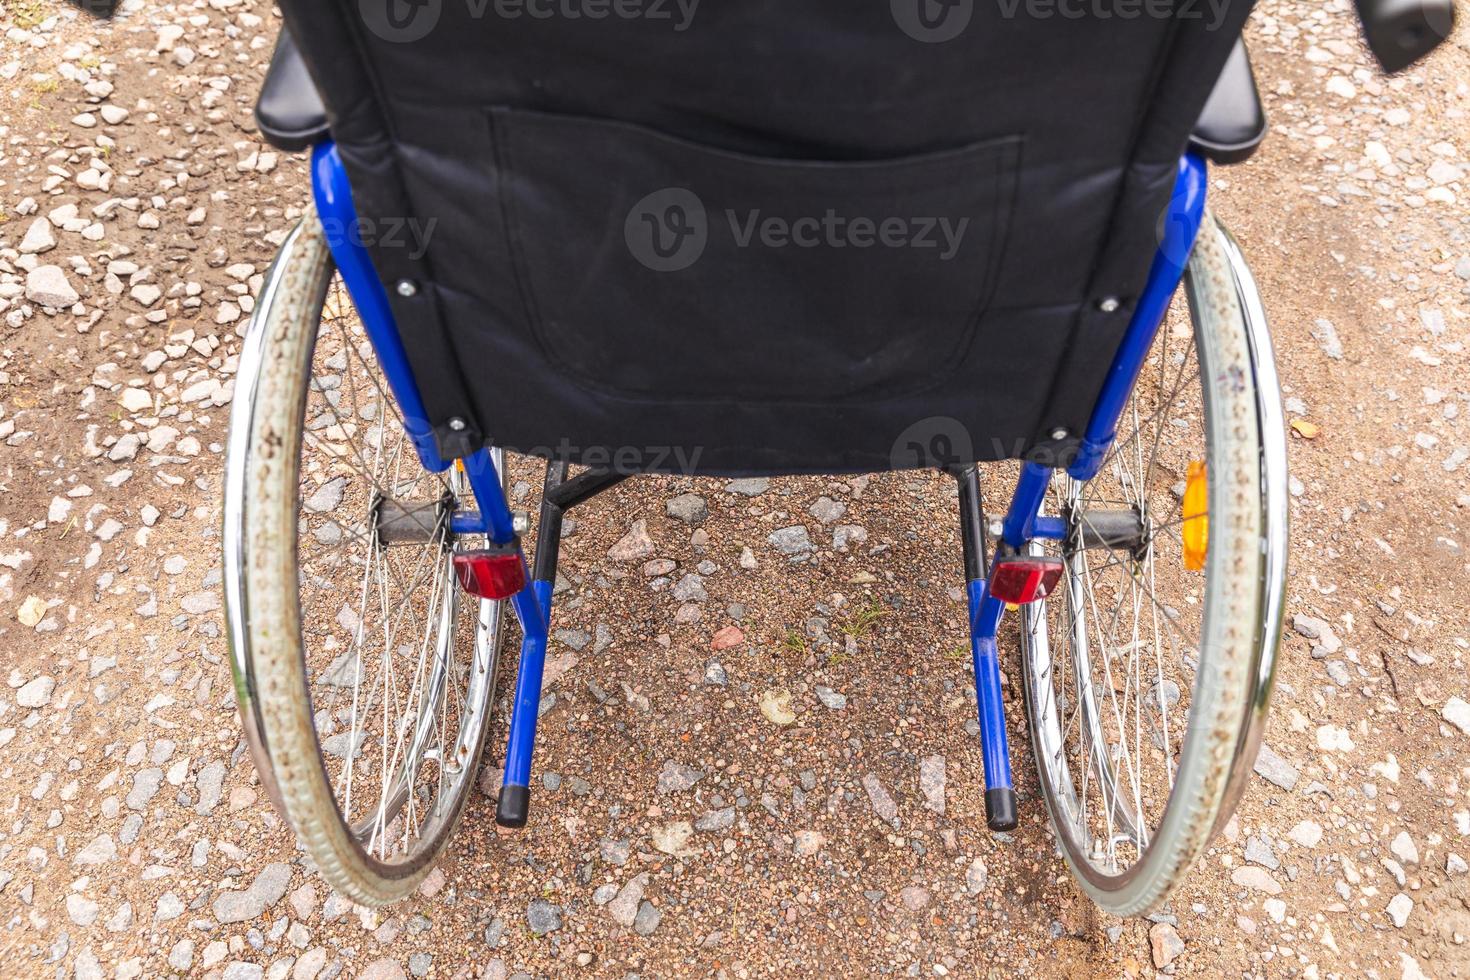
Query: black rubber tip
1000 808
514 806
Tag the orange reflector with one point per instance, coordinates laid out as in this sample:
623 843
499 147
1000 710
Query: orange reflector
1017 581
1196 515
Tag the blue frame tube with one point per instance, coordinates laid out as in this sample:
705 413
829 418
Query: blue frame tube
532 604
1023 521
985 613
1181 223
341 225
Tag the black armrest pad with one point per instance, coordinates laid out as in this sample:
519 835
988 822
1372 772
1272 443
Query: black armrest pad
289 112
1233 123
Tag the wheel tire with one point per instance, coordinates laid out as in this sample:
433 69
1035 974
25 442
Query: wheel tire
1234 628
264 603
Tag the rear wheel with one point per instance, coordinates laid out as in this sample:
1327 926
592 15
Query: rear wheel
1148 669
365 676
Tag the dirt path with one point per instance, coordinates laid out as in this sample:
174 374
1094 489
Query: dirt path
136 842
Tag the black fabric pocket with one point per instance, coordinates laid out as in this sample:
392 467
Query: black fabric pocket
650 267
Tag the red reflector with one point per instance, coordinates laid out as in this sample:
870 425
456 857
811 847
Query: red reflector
1022 580
490 575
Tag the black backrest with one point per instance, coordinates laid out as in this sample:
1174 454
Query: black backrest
1102 95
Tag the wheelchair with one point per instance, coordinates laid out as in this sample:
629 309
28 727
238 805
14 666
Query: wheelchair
770 239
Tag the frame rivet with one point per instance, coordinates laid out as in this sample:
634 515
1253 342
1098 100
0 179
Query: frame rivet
1060 433
407 288
1109 304
520 522
456 424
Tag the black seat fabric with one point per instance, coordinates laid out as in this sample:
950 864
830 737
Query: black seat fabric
763 236
289 112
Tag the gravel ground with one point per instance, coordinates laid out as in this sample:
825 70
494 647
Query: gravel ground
679 830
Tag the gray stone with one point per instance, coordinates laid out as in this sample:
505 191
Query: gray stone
848 535
931 782
615 852
169 906
145 786
1274 769
827 510
327 497
1326 335
634 545
100 850
647 919
756 485
38 238
676 778
690 588
977 876
624 908
543 917
716 820
688 507
268 888
209 782
882 801
36 693
81 909
1257 851
46 285
1164 941
830 698
794 542
181 957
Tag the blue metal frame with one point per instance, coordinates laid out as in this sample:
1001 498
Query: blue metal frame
340 222
532 604
1023 521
